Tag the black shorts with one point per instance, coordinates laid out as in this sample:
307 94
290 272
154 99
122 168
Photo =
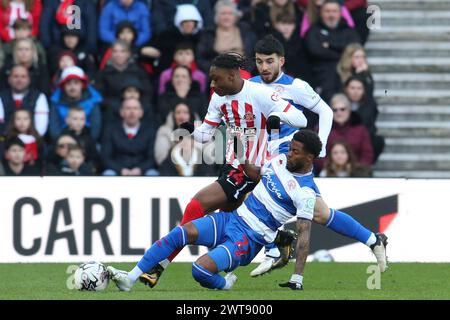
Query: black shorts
235 183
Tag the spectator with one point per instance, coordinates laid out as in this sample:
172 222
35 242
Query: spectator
110 80
186 29
54 21
21 126
74 91
183 56
296 64
127 33
58 152
20 95
341 163
116 11
74 164
266 12
227 35
312 16
14 160
65 59
347 126
353 62
366 107
358 10
182 89
127 148
76 127
71 40
186 161
12 10
2 55
164 12
325 42
362 103
164 142
25 54
131 89
22 30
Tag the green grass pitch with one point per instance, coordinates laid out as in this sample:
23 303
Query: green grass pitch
322 281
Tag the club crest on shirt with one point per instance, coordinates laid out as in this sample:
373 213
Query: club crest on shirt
275 96
291 185
248 116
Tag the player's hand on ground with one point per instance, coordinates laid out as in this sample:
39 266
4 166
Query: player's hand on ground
188 126
273 123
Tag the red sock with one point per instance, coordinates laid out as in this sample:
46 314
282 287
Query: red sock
194 210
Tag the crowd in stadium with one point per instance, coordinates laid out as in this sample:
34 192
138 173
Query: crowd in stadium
100 95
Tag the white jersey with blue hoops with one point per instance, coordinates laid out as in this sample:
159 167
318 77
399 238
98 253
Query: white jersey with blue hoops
279 196
300 95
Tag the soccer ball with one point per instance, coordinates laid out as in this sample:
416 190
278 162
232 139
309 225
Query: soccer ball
323 256
91 276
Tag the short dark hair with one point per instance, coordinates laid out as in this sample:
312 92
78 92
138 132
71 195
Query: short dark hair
230 60
311 141
77 147
285 18
269 45
354 77
22 23
185 45
332 1
15 141
77 108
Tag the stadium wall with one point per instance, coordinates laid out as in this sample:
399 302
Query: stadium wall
56 219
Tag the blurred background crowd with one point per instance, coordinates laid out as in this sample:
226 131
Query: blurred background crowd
104 97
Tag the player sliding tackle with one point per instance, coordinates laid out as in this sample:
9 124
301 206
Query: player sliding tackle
248 109
269 55
234 183
237 237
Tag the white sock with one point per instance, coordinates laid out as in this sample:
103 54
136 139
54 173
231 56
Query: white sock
372 239
134 274
273 253
228 284
165 263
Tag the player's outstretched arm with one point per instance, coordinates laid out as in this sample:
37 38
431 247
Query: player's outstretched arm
292 116
325 113
302 249
204 132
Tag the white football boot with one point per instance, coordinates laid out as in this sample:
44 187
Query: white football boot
264 267
120 278
379 250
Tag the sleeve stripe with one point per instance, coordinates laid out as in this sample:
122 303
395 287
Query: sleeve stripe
287 107
211 122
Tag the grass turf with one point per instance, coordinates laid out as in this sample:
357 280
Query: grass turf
322 281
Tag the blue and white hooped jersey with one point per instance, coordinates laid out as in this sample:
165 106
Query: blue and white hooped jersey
299 94
279 196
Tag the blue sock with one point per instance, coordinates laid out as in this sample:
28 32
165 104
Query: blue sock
344 224
162 248
206 278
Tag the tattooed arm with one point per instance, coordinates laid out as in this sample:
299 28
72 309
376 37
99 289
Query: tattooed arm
302 249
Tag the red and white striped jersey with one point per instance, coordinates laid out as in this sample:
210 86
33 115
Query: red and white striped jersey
245 114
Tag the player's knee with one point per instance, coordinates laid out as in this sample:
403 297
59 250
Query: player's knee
321 214
319 217
191 232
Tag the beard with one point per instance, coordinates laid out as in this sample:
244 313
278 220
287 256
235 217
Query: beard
272 78
295 167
